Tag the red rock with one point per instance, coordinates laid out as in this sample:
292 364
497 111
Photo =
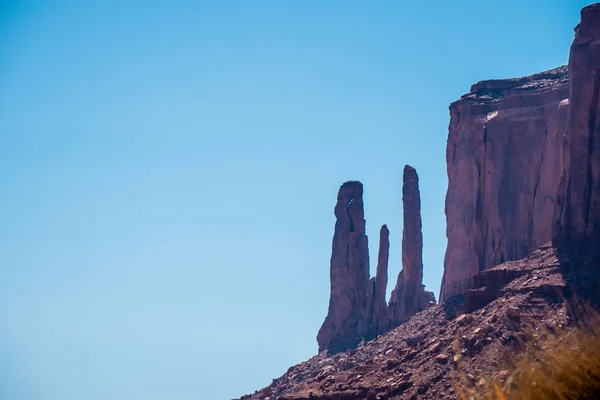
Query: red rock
513 312
442 358
412 244
504 159
357 305
344 325
377 318
487 286
509 142
412 235
409 295
382 267
417 371
579 218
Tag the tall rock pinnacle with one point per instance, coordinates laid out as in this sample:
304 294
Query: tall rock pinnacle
377 313
357 305
523 160
412 241
344 325
409 296
381 280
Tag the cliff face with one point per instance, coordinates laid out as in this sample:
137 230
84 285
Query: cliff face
523 161
578 220
357 305
504 160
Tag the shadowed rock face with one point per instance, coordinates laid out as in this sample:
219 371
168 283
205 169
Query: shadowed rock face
378 310
357 304
504 159
578 220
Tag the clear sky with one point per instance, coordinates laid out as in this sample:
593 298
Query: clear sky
168 172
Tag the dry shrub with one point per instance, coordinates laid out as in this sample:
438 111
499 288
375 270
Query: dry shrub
563 366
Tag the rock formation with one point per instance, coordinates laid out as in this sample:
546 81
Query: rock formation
377 321
578 220
357 305
409 295
523 157
504 160
419 359
345 323
523 161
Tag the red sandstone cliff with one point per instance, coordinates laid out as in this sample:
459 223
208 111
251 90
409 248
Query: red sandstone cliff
523 157
504 161
578 220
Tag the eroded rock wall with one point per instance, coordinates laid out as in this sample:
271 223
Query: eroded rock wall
505 156
578 220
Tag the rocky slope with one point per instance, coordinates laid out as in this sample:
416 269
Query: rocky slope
432 353
357 305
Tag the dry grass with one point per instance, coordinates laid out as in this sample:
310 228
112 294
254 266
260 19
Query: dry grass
564 366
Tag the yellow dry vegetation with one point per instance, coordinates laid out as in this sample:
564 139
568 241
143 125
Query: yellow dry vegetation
563 366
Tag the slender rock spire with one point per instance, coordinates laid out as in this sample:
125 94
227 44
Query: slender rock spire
345 324
409 297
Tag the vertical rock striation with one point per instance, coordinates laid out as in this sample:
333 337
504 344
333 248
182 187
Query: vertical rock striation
345 323
509 142
357 304
504 160
578 220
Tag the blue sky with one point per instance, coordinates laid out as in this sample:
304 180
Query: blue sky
168 172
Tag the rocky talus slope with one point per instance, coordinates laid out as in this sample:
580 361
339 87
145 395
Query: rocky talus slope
434 351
